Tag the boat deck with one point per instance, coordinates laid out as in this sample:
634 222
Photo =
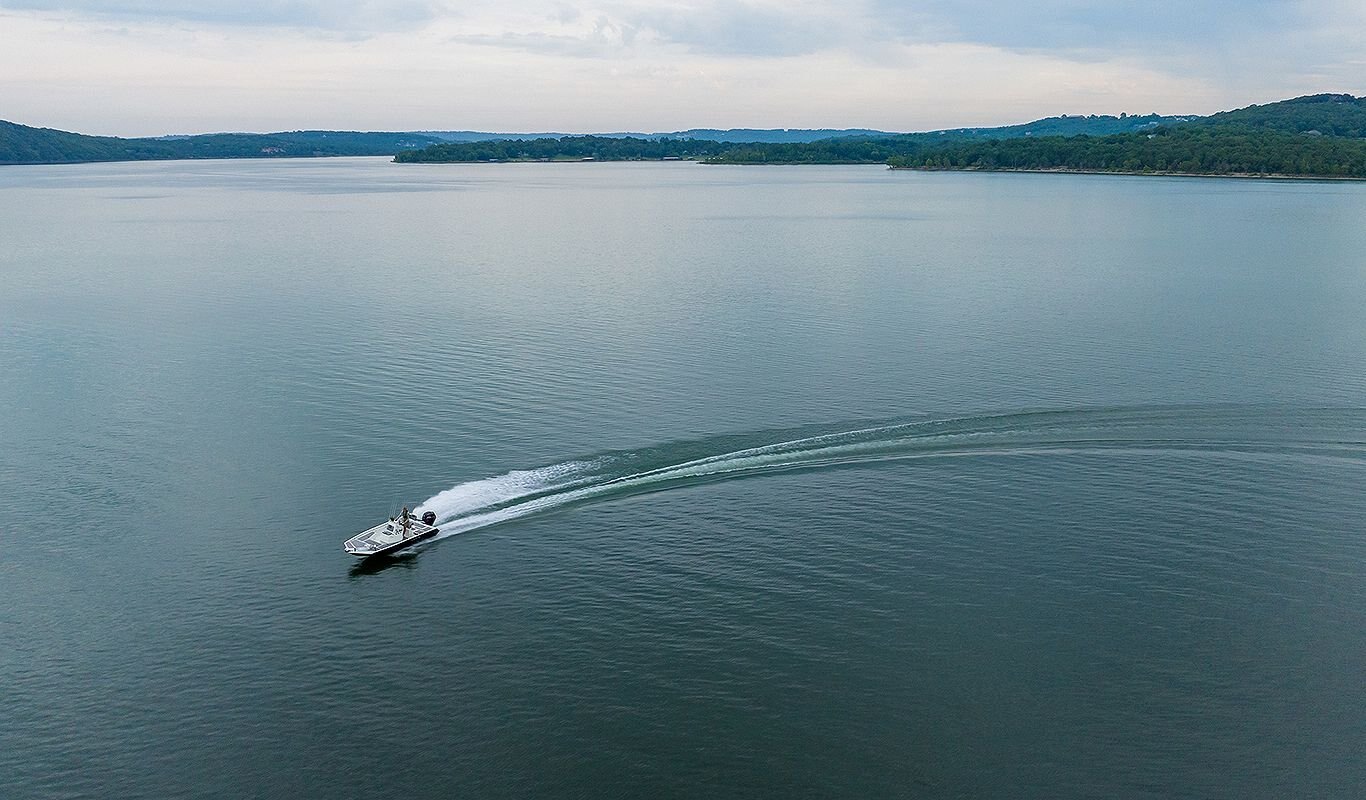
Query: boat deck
386 536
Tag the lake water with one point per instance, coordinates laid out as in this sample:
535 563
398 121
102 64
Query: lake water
754 482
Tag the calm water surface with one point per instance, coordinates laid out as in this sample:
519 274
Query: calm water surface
808 482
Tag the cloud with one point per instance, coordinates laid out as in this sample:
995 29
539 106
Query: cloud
159 66
746 29
331 15
1078 24
602 37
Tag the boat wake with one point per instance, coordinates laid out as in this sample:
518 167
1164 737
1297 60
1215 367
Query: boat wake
1218 431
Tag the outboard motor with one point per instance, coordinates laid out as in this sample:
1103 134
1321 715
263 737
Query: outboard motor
429 518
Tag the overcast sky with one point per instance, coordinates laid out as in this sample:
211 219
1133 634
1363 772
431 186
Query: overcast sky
147 67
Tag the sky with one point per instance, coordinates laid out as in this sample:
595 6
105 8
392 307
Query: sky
152 67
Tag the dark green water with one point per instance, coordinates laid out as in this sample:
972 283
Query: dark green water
808 482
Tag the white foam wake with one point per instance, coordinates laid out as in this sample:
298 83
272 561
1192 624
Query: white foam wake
1222 433
466 499
488 501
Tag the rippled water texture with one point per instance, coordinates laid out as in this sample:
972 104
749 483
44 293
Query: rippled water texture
788 482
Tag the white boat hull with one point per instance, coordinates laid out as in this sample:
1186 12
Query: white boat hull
388 537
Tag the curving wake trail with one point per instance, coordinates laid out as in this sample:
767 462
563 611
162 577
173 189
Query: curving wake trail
1217 431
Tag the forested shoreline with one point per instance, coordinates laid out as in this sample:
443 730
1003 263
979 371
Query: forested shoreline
1314 136
20 144
1189 151
568 148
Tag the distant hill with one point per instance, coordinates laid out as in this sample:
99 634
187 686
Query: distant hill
705 134
744 145
1318 136
490 136
1275 137
20 144
1064 125
771 135
1316 114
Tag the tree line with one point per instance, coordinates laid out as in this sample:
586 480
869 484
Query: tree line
568 148
21 144
1193 150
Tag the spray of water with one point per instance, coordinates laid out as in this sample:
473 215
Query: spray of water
1215 431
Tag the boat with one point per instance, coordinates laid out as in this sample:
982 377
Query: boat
399 532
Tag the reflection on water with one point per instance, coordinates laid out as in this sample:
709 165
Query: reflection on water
373 565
